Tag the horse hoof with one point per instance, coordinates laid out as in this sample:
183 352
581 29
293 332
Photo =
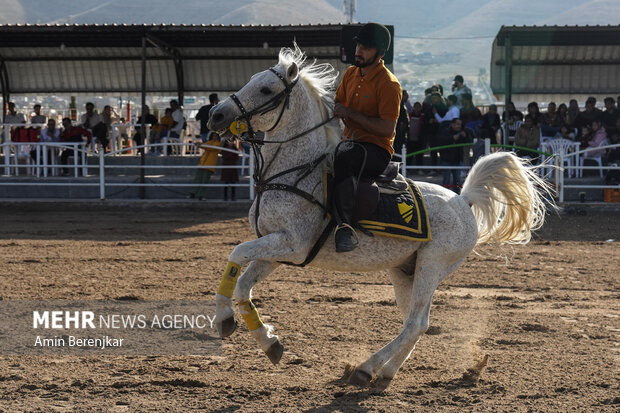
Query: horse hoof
360 378
275 352
228 327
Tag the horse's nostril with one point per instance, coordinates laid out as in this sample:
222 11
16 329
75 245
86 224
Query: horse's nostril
217 117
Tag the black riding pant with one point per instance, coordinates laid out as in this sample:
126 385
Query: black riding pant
349 162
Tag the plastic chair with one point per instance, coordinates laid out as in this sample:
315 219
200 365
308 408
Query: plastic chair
563 147
597 158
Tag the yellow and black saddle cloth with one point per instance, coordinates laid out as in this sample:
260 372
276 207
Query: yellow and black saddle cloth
401 215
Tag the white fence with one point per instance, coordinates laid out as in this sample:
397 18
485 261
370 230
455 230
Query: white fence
17 155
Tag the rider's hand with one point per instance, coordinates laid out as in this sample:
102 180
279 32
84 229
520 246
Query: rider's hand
341 110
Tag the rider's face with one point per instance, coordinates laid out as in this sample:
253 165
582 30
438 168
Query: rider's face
365 56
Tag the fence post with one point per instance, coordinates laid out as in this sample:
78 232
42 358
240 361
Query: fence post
251 166
403 157
487 146
101 176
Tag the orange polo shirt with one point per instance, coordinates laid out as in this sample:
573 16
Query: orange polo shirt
377 95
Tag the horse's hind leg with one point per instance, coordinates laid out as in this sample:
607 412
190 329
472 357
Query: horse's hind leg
431 268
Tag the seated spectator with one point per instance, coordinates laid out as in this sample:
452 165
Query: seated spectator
610 115
71 133
453 134
613 176
534 112
491 124
589 115
565 133
527 136
470 115
511 115
37 118
208 160
573 112
13 116
551 122
452 113
563 114
48 134
593 137
149 119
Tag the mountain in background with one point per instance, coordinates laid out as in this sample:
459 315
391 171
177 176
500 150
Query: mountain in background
434 39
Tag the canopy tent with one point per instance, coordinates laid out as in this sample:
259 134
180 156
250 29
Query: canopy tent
558 63
173 59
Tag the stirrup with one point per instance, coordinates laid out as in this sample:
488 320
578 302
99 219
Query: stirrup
354 239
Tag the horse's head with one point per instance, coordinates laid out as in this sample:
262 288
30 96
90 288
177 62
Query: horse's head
259 105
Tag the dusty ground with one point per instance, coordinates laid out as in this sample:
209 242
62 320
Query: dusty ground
548 317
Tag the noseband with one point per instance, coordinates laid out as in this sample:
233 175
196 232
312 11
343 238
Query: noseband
268 106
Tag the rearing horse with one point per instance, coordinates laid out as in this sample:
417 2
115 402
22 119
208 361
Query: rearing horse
501 201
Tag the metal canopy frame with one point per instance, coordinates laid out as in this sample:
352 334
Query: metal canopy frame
189 48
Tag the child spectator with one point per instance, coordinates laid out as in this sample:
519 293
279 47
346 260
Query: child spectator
208 160
230 175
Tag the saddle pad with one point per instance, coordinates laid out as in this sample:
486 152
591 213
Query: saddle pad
401 216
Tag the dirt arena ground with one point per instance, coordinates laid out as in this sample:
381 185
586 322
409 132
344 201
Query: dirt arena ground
547 316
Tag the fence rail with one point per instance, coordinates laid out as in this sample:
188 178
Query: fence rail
46 153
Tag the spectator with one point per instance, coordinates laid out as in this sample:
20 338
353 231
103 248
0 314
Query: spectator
208 160
527 136
551 122
511 116
408 104
573 112
149 119
71 133
610 115
565 133
161 129
470 115
452 113
594 139
230 175
459 89
453 134
491 124
203 116
613 176
123 132
13 116
534 112
589 115
563 114
37 118
92 121
178 120
402 125
414 142
49 134
108 117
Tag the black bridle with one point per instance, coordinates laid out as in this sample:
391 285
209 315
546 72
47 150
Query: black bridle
265 184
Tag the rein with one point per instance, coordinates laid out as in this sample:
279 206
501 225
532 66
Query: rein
265 184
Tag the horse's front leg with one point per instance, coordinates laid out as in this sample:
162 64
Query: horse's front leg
264 254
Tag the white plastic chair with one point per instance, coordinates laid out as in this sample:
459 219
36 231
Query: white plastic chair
597 158
565 148
21 151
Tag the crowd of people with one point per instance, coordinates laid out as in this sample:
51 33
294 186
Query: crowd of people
439 121
98 126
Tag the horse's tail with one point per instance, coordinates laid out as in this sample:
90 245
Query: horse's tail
507 198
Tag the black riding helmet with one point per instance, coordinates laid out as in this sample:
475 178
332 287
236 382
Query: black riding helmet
374 35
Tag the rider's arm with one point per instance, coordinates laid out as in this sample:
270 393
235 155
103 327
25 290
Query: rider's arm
375 126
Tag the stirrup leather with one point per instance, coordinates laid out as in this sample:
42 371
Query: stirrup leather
353 233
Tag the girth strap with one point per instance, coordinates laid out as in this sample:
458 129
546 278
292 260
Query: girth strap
290 188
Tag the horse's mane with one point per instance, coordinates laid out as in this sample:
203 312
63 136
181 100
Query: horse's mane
321 80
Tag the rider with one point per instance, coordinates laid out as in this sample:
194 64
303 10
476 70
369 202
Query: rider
368 102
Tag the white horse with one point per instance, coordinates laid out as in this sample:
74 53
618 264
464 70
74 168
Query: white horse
501 201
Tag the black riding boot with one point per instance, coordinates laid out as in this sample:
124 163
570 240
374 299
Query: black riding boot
344 203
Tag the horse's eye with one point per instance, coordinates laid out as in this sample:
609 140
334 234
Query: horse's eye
265 91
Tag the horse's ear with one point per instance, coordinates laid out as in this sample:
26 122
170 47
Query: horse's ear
292 72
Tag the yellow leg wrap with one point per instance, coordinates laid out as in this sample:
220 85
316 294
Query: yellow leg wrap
229 280
250 315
